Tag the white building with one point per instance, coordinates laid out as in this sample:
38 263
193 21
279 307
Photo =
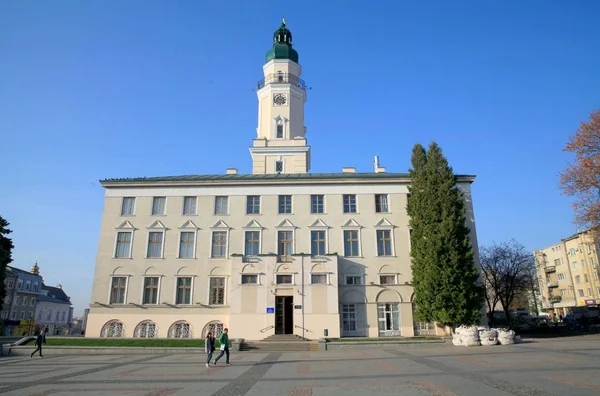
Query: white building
53 311
278 251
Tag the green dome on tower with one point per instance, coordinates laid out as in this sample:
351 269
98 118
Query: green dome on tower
282 45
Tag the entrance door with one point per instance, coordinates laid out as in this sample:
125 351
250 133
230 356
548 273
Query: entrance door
284 315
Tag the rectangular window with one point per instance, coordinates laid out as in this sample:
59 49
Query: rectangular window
349 203
384 243
592 262
351 243
22 315
158 206
219 244
563 292
19 284
285 204
353 280
561 276
27 285
123 245
252 243
580 291
317 204
583 263
128 206
317 243
11 284
284 279
381 203
184 291
572 252
577 279
278 166
25 299
30 316
186 244
151 290
253 204
349 317
387 279
285 242
33 302
155 242
17 300
595 276
35 286
217 291
221 205
189 206
117 290
279 131
318 279
589 290
249 279
585 278
557 262
7 299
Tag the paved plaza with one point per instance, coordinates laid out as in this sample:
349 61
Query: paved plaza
565 366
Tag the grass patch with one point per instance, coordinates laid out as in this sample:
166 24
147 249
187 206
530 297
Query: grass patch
127 342
405 339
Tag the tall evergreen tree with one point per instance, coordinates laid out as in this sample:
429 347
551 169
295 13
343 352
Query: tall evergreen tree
6 247
443 267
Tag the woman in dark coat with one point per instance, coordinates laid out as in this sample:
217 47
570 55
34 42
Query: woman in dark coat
209 347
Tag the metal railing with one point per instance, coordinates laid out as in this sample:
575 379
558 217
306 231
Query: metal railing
281 78
318 259
555 299
285 259
267 328
250 259
552 284
550 268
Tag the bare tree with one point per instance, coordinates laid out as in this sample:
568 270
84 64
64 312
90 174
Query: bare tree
508 269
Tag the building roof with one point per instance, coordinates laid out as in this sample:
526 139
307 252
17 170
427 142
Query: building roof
56 293
279 177
42 298
282 45
17 271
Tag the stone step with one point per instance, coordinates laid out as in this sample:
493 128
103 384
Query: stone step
262 346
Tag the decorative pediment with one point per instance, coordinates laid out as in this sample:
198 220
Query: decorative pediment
220 225
254 225
157 225
126 225
286 224
352 224
318 224
189 225
384 223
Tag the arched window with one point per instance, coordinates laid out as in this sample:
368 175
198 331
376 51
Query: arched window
216 328
112 329
146 329
180 329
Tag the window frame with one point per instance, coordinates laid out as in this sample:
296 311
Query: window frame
392 241
19 284
212 236
158 286
116 245
245 241
191 213
162 245
360 279
285 205
218 208
320 274
254 198
312 204
278 274
195 243
282 163
293 241
123 211
110 287
242 275
191 278
346 311
387 203
394 276
349 204
358 236
224 290
325 241
164 206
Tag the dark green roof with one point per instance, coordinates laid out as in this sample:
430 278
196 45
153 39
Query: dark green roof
282 45
269 177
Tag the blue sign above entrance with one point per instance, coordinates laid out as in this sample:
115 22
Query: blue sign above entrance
270 310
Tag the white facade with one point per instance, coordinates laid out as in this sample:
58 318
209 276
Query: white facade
277 251
53 316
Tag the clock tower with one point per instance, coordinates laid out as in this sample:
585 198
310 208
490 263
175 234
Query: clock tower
280 145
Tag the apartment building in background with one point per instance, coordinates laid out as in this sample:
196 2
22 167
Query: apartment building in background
569 275
278 251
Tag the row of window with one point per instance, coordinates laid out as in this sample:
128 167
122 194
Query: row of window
580 292
216 288
585 278
584 264
149 329
317 205
252 243
17 300
24 286
14 315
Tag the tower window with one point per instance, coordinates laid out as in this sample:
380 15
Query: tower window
279 131
278 166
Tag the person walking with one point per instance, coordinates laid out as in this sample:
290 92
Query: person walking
224 341
38 344
209 347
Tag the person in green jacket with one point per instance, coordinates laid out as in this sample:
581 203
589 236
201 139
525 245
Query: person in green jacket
224 341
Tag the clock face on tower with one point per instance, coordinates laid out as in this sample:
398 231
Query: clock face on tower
279 99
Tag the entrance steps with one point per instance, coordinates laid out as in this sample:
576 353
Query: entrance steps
280 343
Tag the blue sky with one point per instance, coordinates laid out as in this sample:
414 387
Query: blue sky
99 89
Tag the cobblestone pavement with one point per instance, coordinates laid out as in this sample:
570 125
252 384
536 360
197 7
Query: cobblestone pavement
566 366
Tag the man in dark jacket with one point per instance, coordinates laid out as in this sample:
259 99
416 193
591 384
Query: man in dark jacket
38 343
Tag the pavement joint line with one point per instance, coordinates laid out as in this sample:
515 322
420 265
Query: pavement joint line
478 377
242 384
57 378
